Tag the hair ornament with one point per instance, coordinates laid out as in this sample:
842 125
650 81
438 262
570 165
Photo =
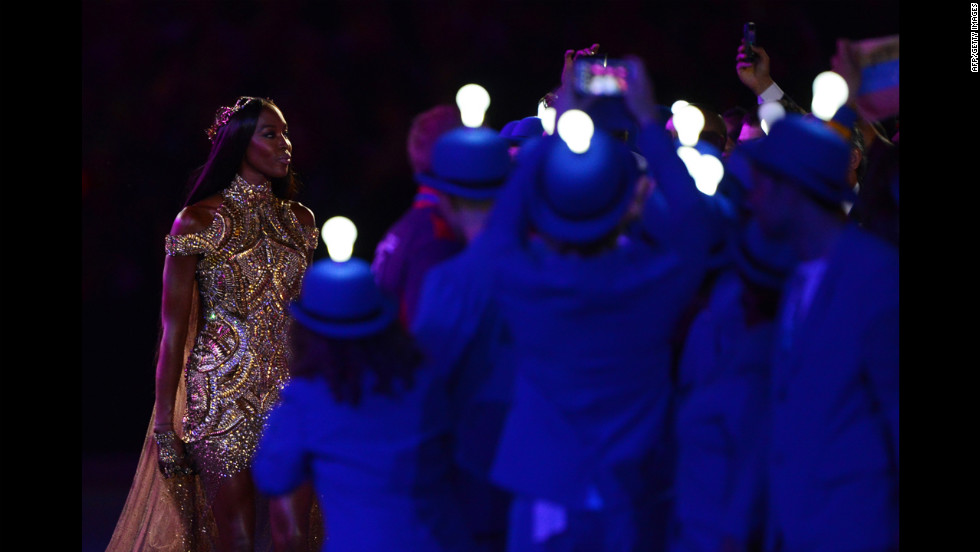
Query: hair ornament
224 114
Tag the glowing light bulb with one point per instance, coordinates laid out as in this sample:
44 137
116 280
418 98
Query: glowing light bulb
769 113
547 116
706 170
676 106
689 156
688 121
829 93
708 174
339 234
575 127
473 101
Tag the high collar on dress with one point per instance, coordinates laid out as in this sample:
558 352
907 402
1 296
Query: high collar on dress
242 186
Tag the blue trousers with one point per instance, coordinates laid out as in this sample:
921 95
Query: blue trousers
627 528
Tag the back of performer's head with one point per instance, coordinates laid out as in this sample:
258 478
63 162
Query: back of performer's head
426 128
581 199
230 134
346 332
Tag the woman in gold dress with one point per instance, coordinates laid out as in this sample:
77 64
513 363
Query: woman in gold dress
236 255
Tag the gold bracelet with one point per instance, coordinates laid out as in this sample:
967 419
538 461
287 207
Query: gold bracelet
166 442
170 462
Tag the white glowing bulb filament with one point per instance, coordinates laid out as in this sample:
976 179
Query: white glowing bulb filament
575 127
339 234
769 113
829 93
688 121
473 101
547 116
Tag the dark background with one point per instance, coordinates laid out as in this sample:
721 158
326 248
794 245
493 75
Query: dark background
349 76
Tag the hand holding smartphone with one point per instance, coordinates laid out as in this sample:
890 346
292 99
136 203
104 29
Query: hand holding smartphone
600 76
748 39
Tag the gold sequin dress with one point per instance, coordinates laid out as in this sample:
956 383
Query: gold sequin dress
252 258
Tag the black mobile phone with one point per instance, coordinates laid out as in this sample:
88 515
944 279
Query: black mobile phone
600 76
748 38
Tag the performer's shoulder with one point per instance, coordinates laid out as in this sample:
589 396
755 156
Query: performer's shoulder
197 217
303 213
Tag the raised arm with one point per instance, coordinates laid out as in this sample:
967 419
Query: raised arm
674 195
755 75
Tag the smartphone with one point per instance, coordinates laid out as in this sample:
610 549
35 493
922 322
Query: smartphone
601 76
748 38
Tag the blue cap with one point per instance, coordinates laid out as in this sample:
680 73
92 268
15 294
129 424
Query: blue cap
469 162
341 300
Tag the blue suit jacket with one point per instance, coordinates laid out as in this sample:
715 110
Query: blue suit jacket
381 469
721 425
590 339
833 462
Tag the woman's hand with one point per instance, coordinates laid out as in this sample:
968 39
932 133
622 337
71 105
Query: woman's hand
172 457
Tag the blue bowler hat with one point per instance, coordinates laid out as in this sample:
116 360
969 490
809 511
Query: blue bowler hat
845 117
806 151
521 130
580 197
469 162
508 129
760 259
341 300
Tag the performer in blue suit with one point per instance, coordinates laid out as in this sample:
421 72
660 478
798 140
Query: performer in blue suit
722 414
834 446
587 316
359 418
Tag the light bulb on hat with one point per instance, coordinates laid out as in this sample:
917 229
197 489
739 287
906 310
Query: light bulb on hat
576 128
339 233
689 156
473 101
769 113
688 120
708 174
829 94
706 169
676 106
547 116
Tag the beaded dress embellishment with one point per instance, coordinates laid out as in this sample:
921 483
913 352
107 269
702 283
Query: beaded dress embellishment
253 257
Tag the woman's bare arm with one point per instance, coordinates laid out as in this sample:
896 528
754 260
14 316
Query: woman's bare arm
178 289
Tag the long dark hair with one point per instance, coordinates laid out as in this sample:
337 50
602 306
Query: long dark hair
228 150
390 355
